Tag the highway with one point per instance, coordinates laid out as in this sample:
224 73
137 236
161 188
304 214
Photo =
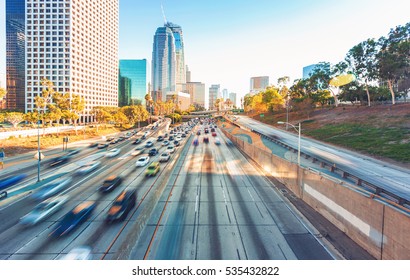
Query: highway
387 176
207 202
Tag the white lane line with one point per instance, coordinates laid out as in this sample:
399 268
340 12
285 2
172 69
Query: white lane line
196 203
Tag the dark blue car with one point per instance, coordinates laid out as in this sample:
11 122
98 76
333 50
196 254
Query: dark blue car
74 218
153 152
11 181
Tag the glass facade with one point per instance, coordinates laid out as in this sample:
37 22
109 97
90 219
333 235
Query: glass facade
15 52
136 71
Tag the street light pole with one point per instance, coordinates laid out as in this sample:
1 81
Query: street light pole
38 146
299 136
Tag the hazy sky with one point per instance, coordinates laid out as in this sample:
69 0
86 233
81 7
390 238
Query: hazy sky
229 41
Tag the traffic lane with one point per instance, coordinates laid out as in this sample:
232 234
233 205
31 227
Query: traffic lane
270 204
389 177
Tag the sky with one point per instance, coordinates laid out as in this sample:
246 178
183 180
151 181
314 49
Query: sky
229 41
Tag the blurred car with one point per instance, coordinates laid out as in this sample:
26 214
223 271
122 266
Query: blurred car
217 141
110 183
110 138
138 150
165 156
212 129
74 218
198 132
142 161
149 144
214 134
92 145
165 143
114 141
152 169
78 253
102 146
170 149
195 142
52 188
137 141
178 138
113 152
206 140
88 167
206 130
176 143
43 210
121 138
153 152
127 135
160 138
171 138
59 160
122 205
73 152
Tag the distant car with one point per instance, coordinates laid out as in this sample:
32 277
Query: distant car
52 188
206 130
176 143
153 152
110 138
165 143
178 138
122 205
170 149
127 135
160 138
206 140
78 253
88 167
171 138
121 138
183 135
198 132
93 145
137 141
110 183
165 156
149 144
195 142
217 141
214 134
74 218
212 129
114 141
152 169
73 152
142 161
139 150
102 145
113 152
43 210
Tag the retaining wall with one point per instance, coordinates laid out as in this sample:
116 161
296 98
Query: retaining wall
376 225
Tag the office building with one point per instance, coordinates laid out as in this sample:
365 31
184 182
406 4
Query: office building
74 44
180 72
225 94
214 94
183 100
259 84
232 97
196 91
307 71
188 75
136 71
124 91
15 52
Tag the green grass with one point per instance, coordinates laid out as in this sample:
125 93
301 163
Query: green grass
390 142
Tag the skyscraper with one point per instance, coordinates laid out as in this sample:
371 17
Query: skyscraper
196 91
214 93
163 64
307 71
259 84
15 51
74 44
136 71
180 72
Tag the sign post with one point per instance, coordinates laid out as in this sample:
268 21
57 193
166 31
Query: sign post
2 156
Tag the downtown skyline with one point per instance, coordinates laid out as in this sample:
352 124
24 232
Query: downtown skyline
228 43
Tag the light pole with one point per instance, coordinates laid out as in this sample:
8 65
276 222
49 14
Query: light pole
38 146
298 130
287 112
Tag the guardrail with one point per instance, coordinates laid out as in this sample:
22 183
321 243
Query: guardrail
371 187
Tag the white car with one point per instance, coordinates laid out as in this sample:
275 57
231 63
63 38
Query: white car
149 144
165 143
142 161
138 151
217 141
165 156
43 210
78 253
52 188
179 138
113 152
88 167
170 149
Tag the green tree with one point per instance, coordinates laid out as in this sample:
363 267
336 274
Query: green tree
3 93
120 118
31 117
393 59
362 62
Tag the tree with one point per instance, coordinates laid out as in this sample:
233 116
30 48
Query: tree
120 118
31 117
362 62
393 59
3 93
77 106
14 118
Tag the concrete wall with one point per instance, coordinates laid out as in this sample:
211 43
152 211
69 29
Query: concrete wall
379 227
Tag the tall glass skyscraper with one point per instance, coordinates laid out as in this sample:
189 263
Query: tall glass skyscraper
180 72
136 71
15 52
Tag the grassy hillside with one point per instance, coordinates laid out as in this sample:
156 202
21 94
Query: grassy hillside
381 131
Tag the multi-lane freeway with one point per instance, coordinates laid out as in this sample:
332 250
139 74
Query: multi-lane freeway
381 174
206 202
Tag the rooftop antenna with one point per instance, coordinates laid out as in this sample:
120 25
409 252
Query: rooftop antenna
163 14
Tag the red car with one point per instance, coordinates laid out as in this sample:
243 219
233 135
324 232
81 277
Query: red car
213 134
